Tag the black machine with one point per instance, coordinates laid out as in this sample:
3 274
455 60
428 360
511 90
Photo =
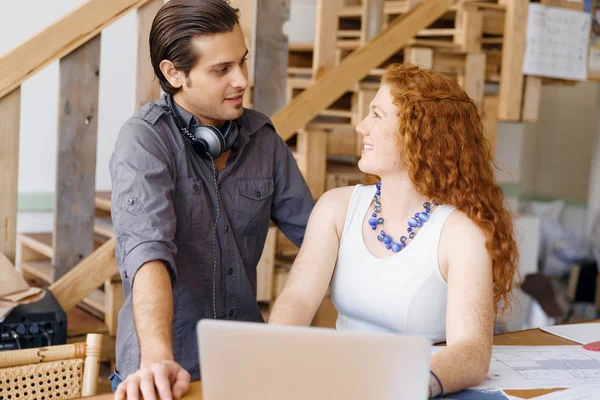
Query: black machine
39 324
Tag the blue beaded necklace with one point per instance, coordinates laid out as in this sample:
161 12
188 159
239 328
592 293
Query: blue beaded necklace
413 223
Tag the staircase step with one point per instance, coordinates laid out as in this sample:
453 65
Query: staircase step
104 227
42 273
339 175
94 304
38 242
80 322
389 8
330 112
42 270
304 71
348 34
38 246
102 201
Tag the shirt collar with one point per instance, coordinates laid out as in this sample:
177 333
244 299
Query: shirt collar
248 123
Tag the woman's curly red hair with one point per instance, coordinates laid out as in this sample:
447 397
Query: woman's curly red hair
440 138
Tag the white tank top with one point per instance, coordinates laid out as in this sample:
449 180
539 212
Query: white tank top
404 293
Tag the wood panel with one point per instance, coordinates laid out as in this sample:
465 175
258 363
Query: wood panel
336 82
113 301
76 158
312 151
60 39
266 267
531 102
490 121
10 117
576 5
147 87
363 100
270 55
474 77
470 32
324 56
513 53
246 8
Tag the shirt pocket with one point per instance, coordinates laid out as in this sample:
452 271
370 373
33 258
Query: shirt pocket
254 205
189 209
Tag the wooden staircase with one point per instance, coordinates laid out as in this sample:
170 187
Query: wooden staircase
34 261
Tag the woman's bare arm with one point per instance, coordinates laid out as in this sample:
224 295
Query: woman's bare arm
313 268
470 311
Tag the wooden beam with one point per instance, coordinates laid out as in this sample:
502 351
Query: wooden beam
470 30
363 99
355 66
324 56
246 8
270 55
372 20
266 268
60 39
419 56
570 4
76 159
312 151
113 301
493 22
86 277
513 53
10 117
531 103
148 87
474 77
490 121
342 142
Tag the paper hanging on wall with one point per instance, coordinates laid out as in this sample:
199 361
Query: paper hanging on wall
557 43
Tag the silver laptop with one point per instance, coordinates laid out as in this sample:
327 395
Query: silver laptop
252 361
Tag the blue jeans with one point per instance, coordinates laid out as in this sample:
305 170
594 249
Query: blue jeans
116 380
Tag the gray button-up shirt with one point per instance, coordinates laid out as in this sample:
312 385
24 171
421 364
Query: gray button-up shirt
164 207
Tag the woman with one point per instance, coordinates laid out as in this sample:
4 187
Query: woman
427 249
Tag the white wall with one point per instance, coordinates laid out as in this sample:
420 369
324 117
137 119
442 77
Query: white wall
594 196
301 25
553 157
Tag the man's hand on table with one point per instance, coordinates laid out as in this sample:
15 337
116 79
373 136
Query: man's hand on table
164 380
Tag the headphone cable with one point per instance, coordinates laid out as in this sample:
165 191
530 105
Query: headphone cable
214 276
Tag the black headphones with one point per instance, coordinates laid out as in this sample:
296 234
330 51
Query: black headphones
207 140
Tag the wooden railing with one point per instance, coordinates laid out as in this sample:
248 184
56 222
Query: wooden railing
75 41
60 39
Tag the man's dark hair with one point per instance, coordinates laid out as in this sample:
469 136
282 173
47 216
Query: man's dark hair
177 23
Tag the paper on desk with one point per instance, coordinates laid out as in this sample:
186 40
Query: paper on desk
13 288
478 394
542 367
586 392
580 333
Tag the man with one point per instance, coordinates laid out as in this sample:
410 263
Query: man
189 231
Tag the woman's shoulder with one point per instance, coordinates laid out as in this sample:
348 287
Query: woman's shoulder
335 202
462 238
460 226
342 196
